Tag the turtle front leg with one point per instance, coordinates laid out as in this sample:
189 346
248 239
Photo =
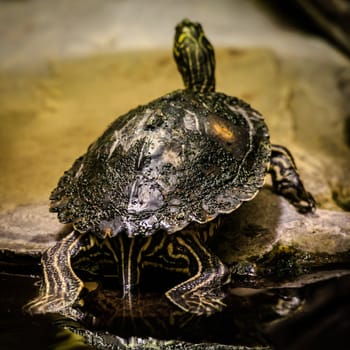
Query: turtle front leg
200 294
286 180
60 286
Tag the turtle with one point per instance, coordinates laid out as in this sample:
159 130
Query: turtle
152 189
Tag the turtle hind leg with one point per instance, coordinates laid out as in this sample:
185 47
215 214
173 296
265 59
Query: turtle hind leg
60 286
286 180
202 293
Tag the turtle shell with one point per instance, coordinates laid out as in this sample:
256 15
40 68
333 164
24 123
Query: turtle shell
185 157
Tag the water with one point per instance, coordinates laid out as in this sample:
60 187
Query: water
312 317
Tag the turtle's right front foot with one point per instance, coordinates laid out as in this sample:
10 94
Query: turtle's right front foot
201 294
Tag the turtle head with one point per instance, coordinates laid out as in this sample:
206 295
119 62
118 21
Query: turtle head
194 56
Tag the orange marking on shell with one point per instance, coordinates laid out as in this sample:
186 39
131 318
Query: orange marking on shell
222 131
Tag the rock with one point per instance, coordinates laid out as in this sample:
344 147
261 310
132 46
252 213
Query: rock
261 232
270 220
29 229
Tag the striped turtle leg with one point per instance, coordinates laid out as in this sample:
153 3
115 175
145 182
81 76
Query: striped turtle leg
60 286
286 180
201 293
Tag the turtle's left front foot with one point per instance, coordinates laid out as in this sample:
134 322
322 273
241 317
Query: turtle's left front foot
60 286
286 180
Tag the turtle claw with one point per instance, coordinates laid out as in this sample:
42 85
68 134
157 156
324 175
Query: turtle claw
302 200
51 304
45 304
206 303
304 203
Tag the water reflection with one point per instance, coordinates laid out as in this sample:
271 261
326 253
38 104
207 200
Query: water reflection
312 317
